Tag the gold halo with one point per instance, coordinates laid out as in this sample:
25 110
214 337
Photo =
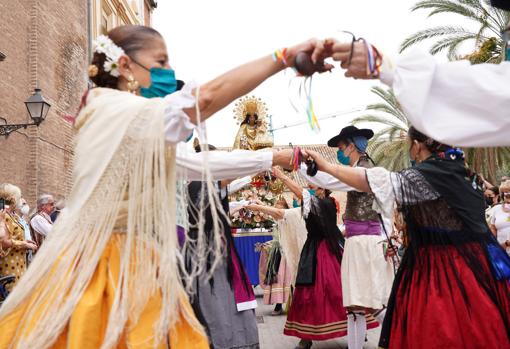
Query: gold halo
247 102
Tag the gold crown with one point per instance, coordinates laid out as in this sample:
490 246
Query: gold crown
249 105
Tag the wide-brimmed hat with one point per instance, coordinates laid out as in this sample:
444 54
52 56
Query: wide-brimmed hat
350 132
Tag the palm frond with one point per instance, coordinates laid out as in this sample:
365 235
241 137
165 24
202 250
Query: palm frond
430 33
445 6
384 108
451 43
379 119
473 10
491 22
392 155
388 96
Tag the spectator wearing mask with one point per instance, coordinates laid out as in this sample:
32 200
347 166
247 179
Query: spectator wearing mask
41 222
23 218
61 204
491 196
500 218
13 260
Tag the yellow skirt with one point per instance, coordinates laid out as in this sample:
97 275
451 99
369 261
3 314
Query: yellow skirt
88 322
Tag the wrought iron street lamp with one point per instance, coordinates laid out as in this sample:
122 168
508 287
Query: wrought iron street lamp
37 108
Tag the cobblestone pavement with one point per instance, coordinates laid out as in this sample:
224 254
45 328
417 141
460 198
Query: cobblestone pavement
271 331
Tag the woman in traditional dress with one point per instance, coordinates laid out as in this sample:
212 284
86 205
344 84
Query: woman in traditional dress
221 295
225 302
108 275
13 260
451 289
276 275
316 311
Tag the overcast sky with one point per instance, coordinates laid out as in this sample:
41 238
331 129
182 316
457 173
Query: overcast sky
206 38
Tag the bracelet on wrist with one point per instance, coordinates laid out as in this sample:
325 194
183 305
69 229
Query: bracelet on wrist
374 61
296 158
280 56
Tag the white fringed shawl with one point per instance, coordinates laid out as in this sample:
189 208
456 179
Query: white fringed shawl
121 159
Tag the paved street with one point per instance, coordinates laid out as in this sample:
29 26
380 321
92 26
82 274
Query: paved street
271 331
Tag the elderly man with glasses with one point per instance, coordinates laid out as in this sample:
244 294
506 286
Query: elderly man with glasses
41 222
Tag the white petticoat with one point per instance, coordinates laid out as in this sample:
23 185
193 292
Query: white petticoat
366 276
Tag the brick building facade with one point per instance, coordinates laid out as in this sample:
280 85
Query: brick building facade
46 44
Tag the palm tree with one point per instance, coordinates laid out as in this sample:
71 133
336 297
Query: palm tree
489 47
388 148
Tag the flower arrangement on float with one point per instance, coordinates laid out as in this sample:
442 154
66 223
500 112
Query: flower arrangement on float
262 190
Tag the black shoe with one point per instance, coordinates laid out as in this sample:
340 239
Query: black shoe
304 344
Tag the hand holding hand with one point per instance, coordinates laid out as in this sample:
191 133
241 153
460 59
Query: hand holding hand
315 49
353 56
322 164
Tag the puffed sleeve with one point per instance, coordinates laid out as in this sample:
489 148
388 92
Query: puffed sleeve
379 180
307 203
178 126
455 102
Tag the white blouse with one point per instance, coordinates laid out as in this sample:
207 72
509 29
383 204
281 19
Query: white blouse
223 164
455 103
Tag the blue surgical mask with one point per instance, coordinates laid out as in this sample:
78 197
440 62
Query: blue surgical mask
344 160
163 83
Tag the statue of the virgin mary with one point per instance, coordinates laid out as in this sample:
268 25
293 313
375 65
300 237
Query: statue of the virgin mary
251 113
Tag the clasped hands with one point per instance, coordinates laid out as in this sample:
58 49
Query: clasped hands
353 56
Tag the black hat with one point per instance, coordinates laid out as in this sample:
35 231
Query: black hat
348 133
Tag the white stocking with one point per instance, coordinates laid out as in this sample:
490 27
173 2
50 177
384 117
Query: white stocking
361 330
356 330
351 331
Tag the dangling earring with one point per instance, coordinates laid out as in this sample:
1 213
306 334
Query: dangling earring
132 84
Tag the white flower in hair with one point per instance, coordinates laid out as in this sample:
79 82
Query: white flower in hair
115 52
103 44
112 68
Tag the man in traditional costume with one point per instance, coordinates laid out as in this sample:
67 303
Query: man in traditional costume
317 312
366 274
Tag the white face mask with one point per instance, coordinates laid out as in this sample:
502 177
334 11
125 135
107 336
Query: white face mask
25 209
